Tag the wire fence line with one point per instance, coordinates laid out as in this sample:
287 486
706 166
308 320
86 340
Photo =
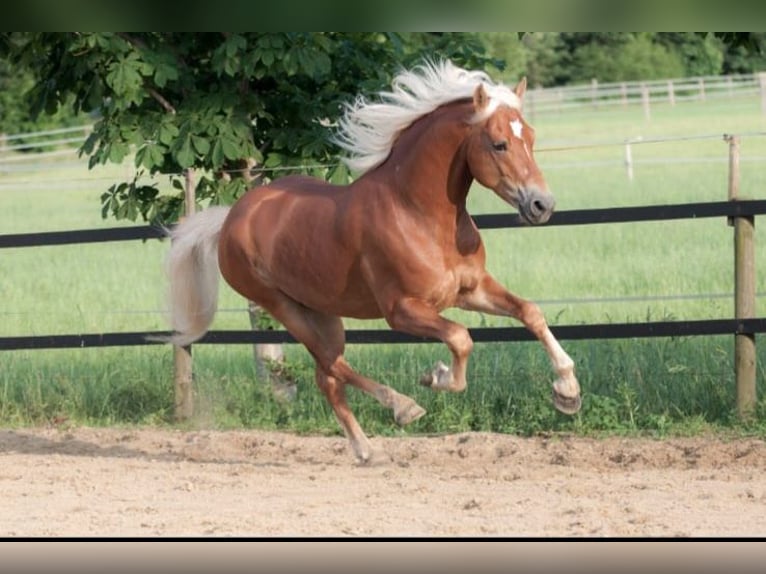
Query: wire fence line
543 302
561 146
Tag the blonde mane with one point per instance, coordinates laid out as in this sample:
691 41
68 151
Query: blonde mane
368 129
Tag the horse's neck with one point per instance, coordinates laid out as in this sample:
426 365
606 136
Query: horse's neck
427 165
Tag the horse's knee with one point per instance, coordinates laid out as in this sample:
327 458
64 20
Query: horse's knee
532 317
459 339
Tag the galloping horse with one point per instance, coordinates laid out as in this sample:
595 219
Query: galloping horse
396 243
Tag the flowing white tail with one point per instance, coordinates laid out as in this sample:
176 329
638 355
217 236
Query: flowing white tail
192 269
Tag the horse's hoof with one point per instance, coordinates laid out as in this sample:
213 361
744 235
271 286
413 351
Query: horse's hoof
566 405
409 414
427 380
439 378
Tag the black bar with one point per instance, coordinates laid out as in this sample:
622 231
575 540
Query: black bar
631 214
82 236
490 221
376 336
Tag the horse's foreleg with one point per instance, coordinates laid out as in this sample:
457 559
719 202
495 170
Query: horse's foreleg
491 297
419 318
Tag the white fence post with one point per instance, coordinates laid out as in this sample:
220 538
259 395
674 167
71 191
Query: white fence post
671 93
762 84
645 101
629 160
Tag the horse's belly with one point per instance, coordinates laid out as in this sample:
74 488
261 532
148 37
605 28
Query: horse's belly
340 295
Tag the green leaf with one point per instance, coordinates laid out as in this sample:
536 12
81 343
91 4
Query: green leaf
273 160
164 73
201 145
150 155
184 155
117 152
217 157
231 148
168 132
124 75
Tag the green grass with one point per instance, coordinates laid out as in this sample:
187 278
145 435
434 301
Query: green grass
660 386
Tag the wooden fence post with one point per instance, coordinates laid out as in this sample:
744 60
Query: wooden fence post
744 288
182 356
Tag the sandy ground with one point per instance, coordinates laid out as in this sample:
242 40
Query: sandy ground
150 482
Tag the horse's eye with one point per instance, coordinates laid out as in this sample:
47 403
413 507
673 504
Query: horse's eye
500 146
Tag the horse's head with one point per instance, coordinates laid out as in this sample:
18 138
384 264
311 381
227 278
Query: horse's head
500 156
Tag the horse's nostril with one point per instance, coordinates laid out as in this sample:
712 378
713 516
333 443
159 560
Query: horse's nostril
538 207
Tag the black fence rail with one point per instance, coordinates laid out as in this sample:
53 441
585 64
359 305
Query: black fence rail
728 209
382 336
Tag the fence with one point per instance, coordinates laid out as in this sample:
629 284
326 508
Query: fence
743 326
622 94
741 214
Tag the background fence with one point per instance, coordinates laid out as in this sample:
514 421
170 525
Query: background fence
645 94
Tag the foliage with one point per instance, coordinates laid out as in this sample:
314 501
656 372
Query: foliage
747 55
701 54
545 57
211 102
16 115
638 58
553 58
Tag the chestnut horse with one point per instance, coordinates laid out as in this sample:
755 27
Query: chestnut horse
396 243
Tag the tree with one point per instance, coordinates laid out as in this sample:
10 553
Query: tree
506 47
213 101
745 52
701 54
614 57
545 59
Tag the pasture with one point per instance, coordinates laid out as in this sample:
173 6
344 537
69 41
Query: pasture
584 274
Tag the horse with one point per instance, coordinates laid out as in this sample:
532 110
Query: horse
397 242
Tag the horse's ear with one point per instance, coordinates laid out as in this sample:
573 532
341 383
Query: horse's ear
521 88
480 98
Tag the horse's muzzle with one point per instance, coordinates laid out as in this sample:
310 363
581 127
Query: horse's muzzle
536 206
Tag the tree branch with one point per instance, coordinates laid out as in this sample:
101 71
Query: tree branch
157 96
141 45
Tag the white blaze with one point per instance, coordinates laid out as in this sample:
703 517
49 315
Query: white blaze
516 128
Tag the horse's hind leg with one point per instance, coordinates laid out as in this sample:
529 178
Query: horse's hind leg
335 392
331 333
406 410
324 337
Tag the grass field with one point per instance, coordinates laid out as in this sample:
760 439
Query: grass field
584 274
